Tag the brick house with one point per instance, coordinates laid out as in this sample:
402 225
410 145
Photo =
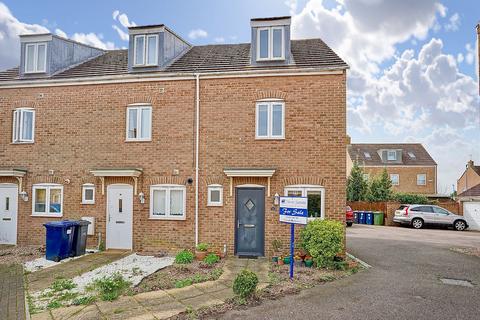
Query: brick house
165 145
410 166
468 189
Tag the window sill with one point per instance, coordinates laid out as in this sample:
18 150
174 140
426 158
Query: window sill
88 203
215 205
315 218
23 142
270 59
138 140
269 138
145 65
47 215
34 72
168 218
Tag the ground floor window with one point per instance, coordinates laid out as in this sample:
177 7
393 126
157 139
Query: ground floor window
47 200
315 195
88 193
215 195
167 202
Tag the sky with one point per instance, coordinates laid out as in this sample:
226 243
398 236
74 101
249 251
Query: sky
412 63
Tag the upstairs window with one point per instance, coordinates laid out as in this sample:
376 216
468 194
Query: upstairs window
391 155
270 120
47 200
395 178
145 50
35 57
167 202
421 179
367 155
271 43
23 125
139 123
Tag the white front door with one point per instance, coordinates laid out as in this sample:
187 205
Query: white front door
119 216
471 212
8 213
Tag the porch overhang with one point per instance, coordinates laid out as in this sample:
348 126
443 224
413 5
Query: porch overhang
15 173
249 172
117 172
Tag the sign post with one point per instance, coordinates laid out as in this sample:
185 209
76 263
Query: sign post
293 210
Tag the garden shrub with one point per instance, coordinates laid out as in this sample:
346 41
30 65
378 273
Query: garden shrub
110 288
211 259
184 257
408 198
245 283
202 246
323 239
62 284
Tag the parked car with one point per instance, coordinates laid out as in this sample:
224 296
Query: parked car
349 217
419 215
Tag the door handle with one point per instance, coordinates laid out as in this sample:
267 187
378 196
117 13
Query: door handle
109 217
249 226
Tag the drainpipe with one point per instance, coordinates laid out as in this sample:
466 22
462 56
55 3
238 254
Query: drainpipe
197 138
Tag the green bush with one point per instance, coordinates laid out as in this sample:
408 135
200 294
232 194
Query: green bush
183 283
202 246
211 259
110 288
245 283
62 284
323 239
83 301
408 198
184 257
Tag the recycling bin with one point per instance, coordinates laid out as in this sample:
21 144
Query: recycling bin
378 218
369 217
361 217
80 238
355 216
59 239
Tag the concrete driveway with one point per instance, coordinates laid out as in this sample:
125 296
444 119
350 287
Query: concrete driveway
403 283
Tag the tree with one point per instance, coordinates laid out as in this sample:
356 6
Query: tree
381 188
357 187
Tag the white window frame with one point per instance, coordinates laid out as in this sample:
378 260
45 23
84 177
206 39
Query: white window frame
145 50
85 187
35 57
17 132
424 180
168 188
398 179
48 187
366 176
304 188
269 104
215 187
270 44
391 152
139 108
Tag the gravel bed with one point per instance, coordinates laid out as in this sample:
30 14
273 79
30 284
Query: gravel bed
20 254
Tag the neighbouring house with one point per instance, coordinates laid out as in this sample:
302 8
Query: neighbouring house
468 194
410 166
165 144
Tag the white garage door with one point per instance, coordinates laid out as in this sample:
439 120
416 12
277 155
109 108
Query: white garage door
471 212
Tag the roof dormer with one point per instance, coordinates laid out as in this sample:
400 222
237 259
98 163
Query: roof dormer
153 47
43 55
270 40
390 155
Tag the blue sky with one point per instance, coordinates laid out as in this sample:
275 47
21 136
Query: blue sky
412 74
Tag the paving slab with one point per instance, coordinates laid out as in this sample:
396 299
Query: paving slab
204 300
154 298
185 293
89 313
211 286
122 303
41 316
12 291
66 313
224 294
165 314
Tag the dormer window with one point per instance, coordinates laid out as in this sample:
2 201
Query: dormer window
271 43
412 155
145 50
391 155
35 57
367 155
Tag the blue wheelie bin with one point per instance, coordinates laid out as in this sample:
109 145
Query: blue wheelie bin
369 217
355 216
59 239
361 217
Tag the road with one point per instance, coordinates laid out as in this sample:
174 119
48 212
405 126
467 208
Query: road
403 282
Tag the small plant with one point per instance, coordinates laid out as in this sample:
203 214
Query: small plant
245 283
202 247
83 301
211 259
109 288
54 305
62 284
101 246
183 283
184 257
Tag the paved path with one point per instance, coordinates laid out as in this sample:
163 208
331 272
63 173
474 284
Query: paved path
42 279
12 300
164 303
403 283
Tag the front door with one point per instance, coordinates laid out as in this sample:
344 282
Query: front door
8 213
250 222
119 216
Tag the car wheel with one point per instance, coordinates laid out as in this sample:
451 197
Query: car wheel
417 223
459 225
349 224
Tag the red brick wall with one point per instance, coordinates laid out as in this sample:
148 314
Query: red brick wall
80 128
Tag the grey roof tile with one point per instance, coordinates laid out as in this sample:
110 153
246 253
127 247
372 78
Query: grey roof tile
422 157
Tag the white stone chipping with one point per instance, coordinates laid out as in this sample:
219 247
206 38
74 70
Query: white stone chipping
42 263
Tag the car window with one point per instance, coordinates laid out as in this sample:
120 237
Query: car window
402 207
423 209
440 210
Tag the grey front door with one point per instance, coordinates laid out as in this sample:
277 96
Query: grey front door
250 222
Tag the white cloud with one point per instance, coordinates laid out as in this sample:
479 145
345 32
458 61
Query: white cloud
219 39
115 14
10 29
197 33
453 22
470 56
122 34
124 22
93 39
460 58
60 33
123 19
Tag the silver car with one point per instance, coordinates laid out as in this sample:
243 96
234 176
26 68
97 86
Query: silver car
418 215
